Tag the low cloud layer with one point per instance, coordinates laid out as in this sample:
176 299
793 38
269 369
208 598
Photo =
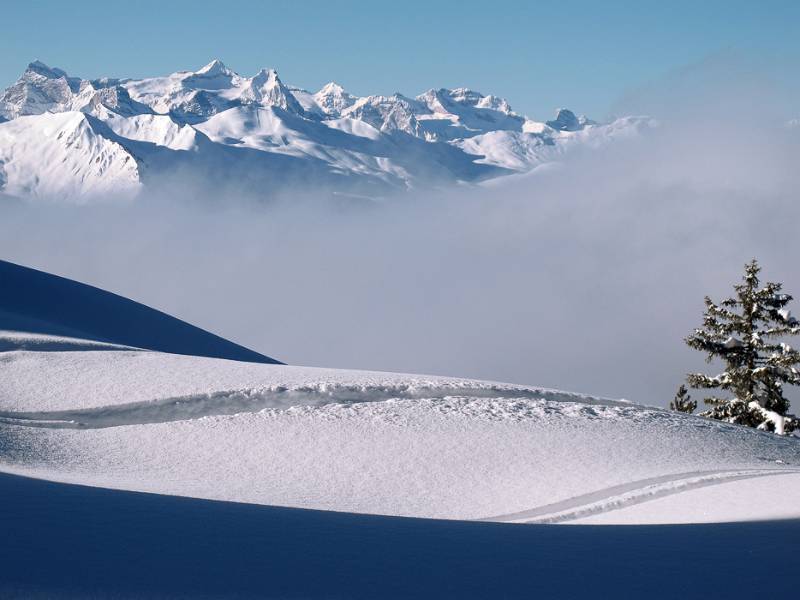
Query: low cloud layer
584 276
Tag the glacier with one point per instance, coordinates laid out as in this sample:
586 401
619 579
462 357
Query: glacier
86 140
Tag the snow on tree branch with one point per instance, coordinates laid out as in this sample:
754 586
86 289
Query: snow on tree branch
737 331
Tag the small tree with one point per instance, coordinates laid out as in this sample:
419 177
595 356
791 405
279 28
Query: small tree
683 401
745 332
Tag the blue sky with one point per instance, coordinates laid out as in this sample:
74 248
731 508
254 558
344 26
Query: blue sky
539 55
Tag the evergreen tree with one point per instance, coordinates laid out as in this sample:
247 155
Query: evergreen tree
745 332
683 401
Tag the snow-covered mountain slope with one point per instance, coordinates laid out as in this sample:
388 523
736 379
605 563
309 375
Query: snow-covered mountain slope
69 154
365 442
136 131
68 541
43 311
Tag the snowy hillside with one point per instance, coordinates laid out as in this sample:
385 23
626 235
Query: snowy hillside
114 416
68 541
45 312
67 137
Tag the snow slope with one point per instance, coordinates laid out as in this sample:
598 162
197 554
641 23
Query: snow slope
363 442
65 154
78 542
43 311
111 138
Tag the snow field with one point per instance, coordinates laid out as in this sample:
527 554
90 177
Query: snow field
366 442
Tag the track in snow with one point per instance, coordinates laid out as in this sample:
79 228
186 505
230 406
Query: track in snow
249 401
629 494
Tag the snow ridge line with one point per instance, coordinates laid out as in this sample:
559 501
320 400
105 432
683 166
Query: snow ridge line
255 400
629 494
32 343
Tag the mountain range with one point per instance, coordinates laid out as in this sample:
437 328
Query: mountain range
63 137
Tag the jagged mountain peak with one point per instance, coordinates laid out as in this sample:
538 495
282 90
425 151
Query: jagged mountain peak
44 93
213 76
386 113
113 97
215 67
566 120
215 120
266 88
38 72
40 89
465 95
444 98
333 99
40 68
332 88
265 75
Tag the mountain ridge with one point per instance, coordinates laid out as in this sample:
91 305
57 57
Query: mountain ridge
282 136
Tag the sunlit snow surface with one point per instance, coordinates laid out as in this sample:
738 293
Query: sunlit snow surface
378 443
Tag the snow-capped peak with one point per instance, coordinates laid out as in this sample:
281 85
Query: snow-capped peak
567 121
193 119
44 70
442 100
333 99
40 89
214 76
332 89
387 113
266 78
215 67
110 95
470 97
463 113
267 89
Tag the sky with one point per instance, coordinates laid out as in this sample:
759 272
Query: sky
538 55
